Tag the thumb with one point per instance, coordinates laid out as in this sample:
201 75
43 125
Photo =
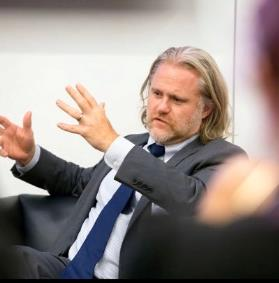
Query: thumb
27 121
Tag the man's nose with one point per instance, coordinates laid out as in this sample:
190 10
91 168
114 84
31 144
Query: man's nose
164 106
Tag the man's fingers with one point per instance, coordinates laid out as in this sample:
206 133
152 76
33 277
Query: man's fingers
1 130
74 129
86 94
68 109
79 99
4 122
27 121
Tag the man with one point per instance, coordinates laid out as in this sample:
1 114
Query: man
236 231
186 114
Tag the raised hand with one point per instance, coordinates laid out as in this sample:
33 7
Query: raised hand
15 142
93 124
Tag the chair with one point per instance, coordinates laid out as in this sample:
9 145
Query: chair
34 220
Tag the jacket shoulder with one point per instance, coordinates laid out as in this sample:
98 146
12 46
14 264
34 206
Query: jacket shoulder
138 138
226 146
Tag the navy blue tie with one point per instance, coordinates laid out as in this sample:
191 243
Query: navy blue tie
92 250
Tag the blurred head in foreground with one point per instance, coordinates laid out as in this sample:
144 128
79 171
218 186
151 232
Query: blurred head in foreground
243 187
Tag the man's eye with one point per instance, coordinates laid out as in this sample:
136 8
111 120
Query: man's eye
177 100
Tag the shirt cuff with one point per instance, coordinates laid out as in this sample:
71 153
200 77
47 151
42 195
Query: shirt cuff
23 169
117 152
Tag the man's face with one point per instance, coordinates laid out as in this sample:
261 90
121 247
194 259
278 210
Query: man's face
175 108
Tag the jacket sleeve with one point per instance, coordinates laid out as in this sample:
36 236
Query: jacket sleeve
56 175
177 188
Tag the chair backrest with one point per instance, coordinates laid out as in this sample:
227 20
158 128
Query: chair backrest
11 224
43 217
33 220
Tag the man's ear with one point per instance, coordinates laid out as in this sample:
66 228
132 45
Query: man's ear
207 109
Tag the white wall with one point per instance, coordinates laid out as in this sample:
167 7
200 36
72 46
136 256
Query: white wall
108 46
251 127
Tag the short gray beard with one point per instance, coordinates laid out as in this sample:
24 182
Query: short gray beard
160 139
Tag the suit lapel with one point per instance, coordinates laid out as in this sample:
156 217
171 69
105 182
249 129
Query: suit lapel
87 198
93 185
185 152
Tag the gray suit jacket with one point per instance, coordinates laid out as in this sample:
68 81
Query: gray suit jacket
176 186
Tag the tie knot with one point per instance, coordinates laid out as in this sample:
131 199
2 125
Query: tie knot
156 149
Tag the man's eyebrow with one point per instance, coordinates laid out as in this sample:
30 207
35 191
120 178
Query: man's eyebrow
155 88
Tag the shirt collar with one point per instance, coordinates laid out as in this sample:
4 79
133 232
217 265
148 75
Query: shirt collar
170 150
